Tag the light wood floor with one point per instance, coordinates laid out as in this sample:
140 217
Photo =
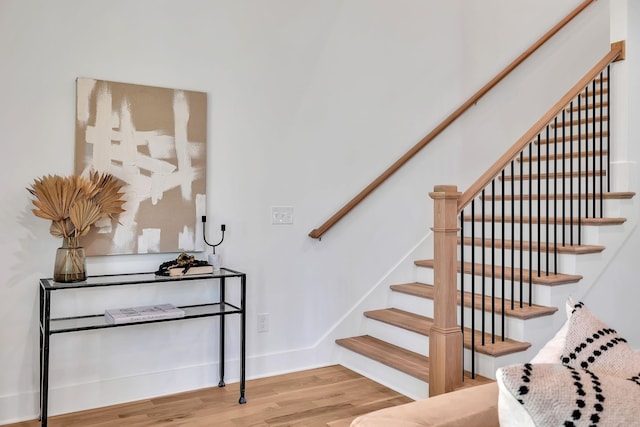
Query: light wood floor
331 396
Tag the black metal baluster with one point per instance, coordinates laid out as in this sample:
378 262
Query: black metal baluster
513 225
521 216
579 170
586 152
608 129
564 178
547 204
493 261
538 213
555 196
483 265
462 286
502 252
473 289
593 144
530 223
602 133
571 174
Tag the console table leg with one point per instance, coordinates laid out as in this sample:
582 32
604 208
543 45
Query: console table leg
243 340
44 383
44 358
223 307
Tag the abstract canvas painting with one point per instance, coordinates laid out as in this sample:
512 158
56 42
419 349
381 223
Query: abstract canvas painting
154 140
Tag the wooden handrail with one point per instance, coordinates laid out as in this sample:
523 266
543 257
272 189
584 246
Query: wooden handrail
616 53
317 233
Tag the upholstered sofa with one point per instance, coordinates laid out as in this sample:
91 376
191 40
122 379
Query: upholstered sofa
474 406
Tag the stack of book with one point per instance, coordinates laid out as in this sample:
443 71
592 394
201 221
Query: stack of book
188 271
184 265
143 313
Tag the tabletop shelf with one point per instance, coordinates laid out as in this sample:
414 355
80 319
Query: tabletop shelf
98 321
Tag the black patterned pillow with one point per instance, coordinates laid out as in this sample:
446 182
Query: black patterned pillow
592 345
560 395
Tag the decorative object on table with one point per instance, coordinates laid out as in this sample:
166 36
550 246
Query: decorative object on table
184 265
140 314
153 139
73 204
70 264
214 259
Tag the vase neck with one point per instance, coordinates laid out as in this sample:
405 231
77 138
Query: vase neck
71 242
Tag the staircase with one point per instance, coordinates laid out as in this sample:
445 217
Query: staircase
523 227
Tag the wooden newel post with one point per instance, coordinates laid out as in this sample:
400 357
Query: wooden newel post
445 338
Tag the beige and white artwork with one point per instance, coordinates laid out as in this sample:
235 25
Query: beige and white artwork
154 140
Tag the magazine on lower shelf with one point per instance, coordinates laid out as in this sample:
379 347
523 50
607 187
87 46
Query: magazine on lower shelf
143 313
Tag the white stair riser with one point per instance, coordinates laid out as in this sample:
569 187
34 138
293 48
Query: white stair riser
513 327
409 340
424 275
413 304
379 372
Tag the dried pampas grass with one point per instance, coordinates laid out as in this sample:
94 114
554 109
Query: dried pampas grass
73 204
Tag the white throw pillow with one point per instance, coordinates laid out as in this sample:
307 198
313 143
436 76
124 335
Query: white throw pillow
511 413
593 380
553 394
551 352
592 345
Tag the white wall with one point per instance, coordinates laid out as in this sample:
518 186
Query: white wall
308 102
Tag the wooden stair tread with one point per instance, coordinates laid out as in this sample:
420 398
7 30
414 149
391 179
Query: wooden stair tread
509 274
557 175
406 361
534 246
422 325
597 93
427 291
575 122
568 138
586 106
543 220
402 319
612 195
561 156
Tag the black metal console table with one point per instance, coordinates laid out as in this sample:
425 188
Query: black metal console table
221 308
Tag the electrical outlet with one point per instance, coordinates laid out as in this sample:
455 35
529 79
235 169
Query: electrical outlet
263 322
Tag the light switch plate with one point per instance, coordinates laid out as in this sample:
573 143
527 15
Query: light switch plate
281 215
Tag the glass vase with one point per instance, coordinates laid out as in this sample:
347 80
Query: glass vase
70 263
